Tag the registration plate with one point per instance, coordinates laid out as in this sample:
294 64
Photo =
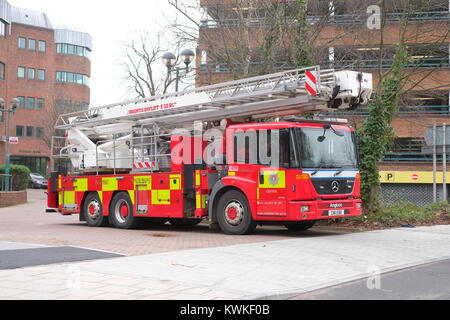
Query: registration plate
334 213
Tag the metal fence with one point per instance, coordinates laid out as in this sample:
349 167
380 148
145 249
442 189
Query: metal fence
3 179
417 194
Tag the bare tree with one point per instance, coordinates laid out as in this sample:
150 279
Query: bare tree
145 74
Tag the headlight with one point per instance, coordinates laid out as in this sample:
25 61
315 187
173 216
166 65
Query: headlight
358 205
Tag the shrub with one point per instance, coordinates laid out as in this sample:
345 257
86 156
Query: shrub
20 176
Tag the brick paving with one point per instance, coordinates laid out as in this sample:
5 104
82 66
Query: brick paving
29 223
276 269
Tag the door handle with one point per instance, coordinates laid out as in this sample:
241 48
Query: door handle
261 178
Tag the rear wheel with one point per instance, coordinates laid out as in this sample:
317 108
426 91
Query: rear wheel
122 212
301 226
93 211
234 215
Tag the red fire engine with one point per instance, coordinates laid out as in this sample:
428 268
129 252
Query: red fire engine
207 154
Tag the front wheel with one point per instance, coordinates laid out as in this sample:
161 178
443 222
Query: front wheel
301 226
234 215
122 212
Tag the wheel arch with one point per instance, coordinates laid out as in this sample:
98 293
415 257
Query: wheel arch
218 190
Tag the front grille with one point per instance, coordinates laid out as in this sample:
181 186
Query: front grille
333 186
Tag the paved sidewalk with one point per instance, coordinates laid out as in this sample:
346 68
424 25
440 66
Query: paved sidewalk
276 269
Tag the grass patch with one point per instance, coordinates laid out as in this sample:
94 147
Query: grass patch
397 214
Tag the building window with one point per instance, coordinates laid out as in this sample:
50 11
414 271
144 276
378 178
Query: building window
35 164
21 72
42 46
64 48
30 103
32 44
22 102
70 77
40 104
19 131
2 28
2 71
30 132
41 75
22 43
39 133
31 73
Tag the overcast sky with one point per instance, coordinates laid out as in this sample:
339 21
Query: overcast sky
108 22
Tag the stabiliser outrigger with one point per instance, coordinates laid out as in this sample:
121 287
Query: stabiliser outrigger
206 154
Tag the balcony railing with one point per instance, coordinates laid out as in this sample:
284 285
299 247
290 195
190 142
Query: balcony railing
410 156
256 67
427 110
387 63
341 18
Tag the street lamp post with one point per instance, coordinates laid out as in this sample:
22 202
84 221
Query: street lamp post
14 104
169 60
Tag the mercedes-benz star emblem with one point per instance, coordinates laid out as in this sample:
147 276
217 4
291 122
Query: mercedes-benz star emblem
335 186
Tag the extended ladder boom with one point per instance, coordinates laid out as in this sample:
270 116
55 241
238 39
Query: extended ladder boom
284 93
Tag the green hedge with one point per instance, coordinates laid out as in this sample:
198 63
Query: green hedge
20 176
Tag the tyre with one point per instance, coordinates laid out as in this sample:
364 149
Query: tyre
234 215
93 211
184 222
301 226
121 212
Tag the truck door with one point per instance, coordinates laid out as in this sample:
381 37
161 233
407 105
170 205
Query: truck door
274 159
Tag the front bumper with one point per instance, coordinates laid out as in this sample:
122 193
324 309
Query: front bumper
324 209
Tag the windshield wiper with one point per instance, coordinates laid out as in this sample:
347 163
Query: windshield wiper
321 166
341 169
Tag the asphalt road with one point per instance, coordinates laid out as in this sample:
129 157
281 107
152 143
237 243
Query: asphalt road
426 282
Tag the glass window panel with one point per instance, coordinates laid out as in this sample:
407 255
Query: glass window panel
32 44
70 49
41 75
31 73
2 28
42 46
39 133
22 102
40 104
22 43
19 131
30 132
70 77
2 71
21 72
30 103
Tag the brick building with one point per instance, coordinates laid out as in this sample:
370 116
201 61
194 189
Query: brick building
343 41
48 70
234 43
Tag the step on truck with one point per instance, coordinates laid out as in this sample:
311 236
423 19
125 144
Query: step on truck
235 155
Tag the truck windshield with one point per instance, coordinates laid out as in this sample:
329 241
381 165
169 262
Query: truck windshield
335 151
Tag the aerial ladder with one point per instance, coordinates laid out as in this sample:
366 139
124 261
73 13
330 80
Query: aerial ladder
138 137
